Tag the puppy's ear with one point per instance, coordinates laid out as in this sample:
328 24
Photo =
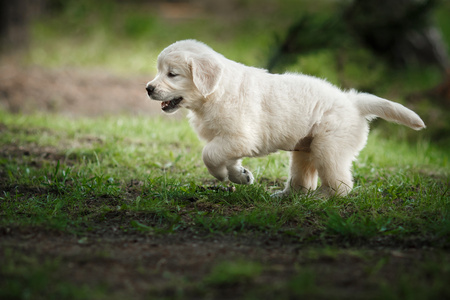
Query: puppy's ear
206 73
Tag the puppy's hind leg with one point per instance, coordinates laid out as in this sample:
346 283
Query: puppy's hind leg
302 176
334 167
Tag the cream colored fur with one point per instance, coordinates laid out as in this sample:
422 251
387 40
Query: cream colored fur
242 111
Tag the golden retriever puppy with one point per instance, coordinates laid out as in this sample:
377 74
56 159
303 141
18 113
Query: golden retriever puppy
243 111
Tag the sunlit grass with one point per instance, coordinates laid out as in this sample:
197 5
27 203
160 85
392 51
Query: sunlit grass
103 156
146 176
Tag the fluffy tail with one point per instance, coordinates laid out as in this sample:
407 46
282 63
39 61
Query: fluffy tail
372 106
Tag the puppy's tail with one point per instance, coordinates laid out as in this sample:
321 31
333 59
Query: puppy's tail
371 106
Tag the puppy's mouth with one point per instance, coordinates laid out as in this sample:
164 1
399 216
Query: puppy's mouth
171 105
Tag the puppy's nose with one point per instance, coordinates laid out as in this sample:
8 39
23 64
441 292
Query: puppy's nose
150 89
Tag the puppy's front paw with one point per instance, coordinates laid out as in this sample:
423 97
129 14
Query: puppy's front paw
241 176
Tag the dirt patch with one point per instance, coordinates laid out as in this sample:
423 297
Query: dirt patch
38 153
73 92
133 263
140 265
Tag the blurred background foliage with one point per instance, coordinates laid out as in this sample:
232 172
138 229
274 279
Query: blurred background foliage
395 49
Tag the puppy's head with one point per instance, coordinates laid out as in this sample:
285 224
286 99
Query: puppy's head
188 72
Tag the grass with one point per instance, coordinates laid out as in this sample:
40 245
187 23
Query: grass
135 164
78 32
233 272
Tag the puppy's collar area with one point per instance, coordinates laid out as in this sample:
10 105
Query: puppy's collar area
169 106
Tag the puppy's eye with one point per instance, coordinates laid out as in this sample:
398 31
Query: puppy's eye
172 74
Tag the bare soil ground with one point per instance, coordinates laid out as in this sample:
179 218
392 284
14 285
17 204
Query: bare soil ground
73 92
146 265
